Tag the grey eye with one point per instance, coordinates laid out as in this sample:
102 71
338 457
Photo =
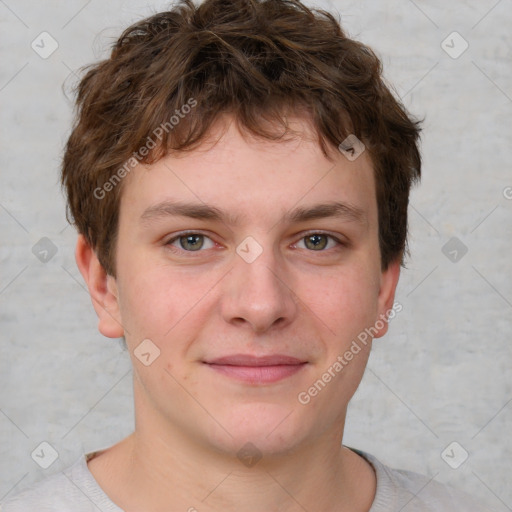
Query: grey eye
191 242
316 242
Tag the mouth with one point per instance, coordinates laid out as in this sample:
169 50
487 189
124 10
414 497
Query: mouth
257 370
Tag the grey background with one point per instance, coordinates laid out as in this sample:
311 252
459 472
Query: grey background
440 375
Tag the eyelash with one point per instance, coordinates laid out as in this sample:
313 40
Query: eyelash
168 243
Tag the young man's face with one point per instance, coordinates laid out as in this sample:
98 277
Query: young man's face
211 294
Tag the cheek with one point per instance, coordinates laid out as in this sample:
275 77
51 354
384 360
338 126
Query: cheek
144 295
345 300
157 302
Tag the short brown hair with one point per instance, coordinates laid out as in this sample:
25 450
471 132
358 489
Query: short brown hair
254 59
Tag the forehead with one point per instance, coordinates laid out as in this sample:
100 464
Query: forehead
244 179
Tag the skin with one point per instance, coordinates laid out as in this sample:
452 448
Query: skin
292 299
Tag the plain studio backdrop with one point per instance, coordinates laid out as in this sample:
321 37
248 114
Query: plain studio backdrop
436 395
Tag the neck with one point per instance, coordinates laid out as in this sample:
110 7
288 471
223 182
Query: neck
158 468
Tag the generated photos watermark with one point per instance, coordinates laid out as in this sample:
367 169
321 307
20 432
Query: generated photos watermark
304 397
137 156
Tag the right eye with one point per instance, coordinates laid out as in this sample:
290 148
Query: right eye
190 241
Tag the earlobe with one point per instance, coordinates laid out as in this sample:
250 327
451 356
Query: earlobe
102 289
388 283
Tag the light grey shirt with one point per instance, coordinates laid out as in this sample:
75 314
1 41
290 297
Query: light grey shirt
75 490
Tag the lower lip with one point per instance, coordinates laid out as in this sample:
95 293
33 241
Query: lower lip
258 374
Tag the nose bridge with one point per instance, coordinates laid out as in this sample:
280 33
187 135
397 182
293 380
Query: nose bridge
257 293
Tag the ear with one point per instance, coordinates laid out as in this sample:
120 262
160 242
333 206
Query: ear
386 306
102 289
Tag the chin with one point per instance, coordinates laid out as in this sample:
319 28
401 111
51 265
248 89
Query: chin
260 427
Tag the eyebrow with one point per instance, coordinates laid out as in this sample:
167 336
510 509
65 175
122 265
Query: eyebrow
336 209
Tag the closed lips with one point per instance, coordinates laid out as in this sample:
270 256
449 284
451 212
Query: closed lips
247 360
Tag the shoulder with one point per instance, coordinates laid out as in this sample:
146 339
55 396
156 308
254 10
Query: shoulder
71 489
399 489
54 493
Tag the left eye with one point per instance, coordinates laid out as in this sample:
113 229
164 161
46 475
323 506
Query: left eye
191 242
318 241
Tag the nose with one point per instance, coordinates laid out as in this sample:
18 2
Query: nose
258 295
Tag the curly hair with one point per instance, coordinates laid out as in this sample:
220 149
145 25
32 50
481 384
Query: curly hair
170 76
